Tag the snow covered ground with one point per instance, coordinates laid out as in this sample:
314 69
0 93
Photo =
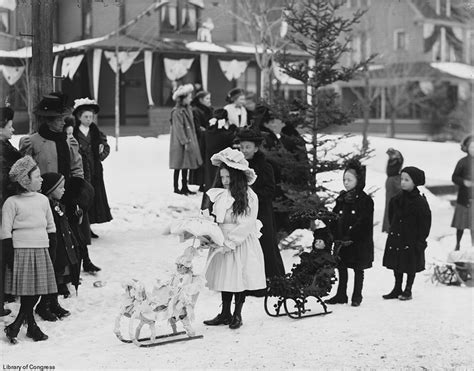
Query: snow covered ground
433 331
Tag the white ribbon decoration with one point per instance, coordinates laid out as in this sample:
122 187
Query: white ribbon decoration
96 60
457 31
148 62
233 69
55 66
12 73
204 62
428 29
125 60
70 65
177 68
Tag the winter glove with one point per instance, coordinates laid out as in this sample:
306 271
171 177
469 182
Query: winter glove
79 214
52 246
7 251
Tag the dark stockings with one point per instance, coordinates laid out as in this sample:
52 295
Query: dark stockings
184 180
459 233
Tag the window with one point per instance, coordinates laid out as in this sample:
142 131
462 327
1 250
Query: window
400 40
4 21
248 80
180 15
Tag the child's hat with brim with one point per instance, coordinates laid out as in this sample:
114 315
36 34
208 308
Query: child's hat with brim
85 104
182 90
236 160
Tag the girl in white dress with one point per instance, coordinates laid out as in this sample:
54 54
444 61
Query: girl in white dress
238 265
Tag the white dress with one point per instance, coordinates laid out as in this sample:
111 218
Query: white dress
236 115
243 267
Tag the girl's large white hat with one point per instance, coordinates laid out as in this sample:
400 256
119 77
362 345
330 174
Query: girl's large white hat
85 104
182 90
234 159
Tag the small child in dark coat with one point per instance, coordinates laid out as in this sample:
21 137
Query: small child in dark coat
65 260
410 223
356 224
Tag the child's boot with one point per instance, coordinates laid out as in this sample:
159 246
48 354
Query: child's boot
223 318
43 309
236 321
12 330
406 294
34 332
56 309
341 294
87 265
358 284
397 289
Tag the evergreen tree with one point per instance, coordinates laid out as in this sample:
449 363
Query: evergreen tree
316 27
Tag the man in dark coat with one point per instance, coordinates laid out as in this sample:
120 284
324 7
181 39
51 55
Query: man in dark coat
264 187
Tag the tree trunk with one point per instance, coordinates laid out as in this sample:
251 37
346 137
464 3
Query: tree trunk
366 108
42 50
391 127
265 84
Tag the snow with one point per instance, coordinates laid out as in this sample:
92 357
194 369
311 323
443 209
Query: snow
461 70
434 330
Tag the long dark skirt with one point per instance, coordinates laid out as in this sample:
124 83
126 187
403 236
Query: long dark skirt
392 187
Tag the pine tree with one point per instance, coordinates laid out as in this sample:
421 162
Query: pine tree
316 27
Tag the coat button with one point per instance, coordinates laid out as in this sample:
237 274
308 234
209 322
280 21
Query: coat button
340 211
353 211
390 247
398 234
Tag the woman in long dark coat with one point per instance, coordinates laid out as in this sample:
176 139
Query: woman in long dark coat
202 113
355 209
184 148
265 188
392 184
410 223
462 177
94 149
9 155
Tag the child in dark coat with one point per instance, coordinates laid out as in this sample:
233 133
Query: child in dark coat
64 259
410 223
355 223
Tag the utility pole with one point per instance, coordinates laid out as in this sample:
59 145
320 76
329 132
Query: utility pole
42 50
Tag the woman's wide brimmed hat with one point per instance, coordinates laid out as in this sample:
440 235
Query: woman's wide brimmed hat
182 90
53 105
236 160
85 104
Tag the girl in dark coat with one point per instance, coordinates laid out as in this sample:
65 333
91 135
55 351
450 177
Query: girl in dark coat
410 223
462 177
355 223
392 184
8 155
94 149
264 187
202 113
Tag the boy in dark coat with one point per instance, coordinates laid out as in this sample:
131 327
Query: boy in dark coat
64 257
410 223
264 187
355 223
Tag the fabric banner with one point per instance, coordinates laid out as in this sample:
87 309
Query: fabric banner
233 69
8 4
125 60
70 65
55 66
204 59
428 29
177 68
96 59
148 61
12 73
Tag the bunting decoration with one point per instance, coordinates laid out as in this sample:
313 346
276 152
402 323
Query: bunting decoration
70 65
12 73
148 62
432 38
125 60
177 68
233 69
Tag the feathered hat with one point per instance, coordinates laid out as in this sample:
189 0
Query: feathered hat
236 160
53 105
182 90
85 104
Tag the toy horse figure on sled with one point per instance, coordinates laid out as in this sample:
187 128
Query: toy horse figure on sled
173 301
312 277
170 302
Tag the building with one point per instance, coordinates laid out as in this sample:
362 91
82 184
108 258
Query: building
160 45
420 45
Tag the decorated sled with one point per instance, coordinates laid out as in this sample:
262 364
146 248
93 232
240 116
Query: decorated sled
457 270
309 281
171 302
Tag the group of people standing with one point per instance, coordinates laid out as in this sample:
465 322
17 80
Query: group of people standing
52 190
